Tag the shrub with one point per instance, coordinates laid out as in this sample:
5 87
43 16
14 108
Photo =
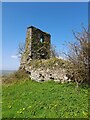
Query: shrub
14 77
78 57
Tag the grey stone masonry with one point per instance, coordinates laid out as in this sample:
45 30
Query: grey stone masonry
37 45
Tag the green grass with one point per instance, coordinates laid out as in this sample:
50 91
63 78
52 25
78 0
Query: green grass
28 99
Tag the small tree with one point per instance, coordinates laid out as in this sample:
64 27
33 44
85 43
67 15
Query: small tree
54 53
21 49
78 57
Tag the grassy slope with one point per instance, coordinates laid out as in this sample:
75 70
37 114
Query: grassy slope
28 99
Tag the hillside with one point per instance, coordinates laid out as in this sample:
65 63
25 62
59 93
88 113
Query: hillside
29 99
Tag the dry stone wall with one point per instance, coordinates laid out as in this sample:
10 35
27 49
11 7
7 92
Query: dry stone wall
39 75
46 72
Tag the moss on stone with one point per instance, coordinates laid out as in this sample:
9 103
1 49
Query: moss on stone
49 63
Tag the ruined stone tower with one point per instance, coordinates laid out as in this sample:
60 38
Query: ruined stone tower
37 45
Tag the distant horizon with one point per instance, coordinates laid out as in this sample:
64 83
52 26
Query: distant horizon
6 72
9 70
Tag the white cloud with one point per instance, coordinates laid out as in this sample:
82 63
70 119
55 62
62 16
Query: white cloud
62 57
14 56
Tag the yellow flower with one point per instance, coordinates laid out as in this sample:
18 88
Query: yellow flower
23 108
17 111
20 112
29 106
10 107
85 113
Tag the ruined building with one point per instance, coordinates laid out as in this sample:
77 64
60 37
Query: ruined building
37 45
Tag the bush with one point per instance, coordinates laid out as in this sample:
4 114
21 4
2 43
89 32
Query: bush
78 57
17 76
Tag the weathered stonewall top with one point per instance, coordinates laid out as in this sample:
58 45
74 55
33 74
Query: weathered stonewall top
37 45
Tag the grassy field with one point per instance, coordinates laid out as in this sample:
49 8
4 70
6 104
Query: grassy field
28 99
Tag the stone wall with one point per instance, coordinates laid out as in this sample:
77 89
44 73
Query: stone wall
43 70
40 44
37 45
40 74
